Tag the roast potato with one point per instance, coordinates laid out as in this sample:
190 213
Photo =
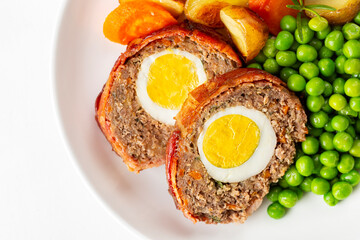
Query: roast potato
346 10
248 31
175 7
207 12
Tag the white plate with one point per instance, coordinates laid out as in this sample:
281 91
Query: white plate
83 60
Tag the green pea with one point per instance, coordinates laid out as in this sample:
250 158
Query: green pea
284 40
298 191
346 163
351 49
315 103
324 52
347 111
351 31
352 87
331 78
296 83
310 145
269 49
326 141
334 40
357 163
352 66
288 23
315 132
328 173
276 210
341 190
260 58
283 183
309 70
255 65
297 65
286 58
357 126
340 123
352 177
354 103
328 127
339 52
305 166
329 158
337 28
306 184
271 66
320 186
355 149
330 199
286 72
288 198
326 67
294 46
316 43
339 64
299 152
315 86
343 141
337 101
319 119
351 130
328 89
338 85
273 194
293 177
306 53
317 164
357 18
326 107
318 24
333 181
307 33
323 34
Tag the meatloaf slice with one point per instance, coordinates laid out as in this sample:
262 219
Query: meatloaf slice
195 192
134 135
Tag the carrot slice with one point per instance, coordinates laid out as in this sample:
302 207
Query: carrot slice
135 19
272 11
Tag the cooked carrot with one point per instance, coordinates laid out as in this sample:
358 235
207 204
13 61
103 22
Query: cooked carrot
135 19
272 11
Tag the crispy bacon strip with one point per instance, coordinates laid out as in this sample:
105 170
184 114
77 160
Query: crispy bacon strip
178 32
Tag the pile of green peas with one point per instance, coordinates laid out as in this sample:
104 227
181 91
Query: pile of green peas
323 68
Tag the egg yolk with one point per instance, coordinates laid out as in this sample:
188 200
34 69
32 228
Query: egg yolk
230 141
171 77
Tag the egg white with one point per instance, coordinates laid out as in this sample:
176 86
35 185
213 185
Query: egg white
157 112
260 158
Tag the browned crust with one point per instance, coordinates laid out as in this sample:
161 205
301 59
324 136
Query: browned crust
189 114
102 107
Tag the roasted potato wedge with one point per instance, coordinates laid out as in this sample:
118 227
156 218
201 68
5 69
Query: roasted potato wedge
207 12
346 10
247 30
175 7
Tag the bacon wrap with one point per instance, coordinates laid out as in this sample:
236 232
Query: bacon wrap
190 113
208 39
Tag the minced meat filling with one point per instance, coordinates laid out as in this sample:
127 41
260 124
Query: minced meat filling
145 138
226 202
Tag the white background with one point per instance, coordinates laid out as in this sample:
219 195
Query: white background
42 196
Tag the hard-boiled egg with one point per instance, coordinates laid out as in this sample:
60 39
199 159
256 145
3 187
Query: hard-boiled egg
236 144
164 81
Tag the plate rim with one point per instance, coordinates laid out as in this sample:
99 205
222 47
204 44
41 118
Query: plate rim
54 62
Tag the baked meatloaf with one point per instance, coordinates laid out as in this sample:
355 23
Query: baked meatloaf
132 130
196 192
